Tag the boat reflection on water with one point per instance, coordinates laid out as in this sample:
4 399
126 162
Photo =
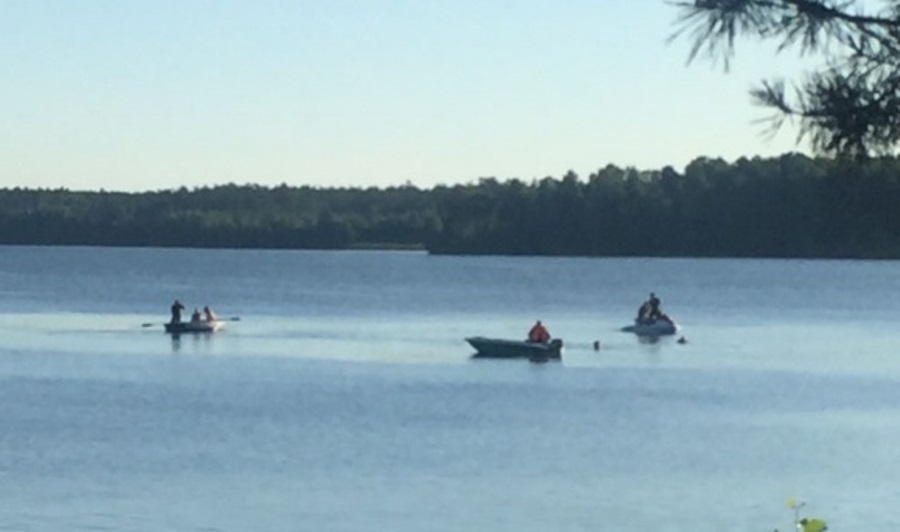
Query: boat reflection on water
655 339
199 331
648 338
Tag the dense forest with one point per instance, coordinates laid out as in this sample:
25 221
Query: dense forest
789 206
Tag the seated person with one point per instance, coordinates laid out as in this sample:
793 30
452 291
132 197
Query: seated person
209 315
539 333
644 311
649 310
654 301
195 316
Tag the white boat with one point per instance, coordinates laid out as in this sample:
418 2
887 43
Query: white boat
201 326
661 326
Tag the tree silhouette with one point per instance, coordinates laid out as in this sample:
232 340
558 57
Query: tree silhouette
850 106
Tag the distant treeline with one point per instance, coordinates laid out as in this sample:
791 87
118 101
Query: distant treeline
789 206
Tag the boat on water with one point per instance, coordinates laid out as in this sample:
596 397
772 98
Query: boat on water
188 327
500 348
661 326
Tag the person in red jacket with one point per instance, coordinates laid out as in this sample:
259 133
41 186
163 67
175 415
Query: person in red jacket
539 333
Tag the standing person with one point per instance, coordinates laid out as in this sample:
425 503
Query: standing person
176 309
539 333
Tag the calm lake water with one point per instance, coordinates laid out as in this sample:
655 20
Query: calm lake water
344 398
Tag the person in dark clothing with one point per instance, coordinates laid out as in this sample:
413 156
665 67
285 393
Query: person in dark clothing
644 311
177 307
654 301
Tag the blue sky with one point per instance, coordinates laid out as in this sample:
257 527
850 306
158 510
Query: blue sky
148 95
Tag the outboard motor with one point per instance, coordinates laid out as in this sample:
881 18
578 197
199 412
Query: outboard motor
551 353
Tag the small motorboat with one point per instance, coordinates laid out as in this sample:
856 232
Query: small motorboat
660 326
187 327
498 348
